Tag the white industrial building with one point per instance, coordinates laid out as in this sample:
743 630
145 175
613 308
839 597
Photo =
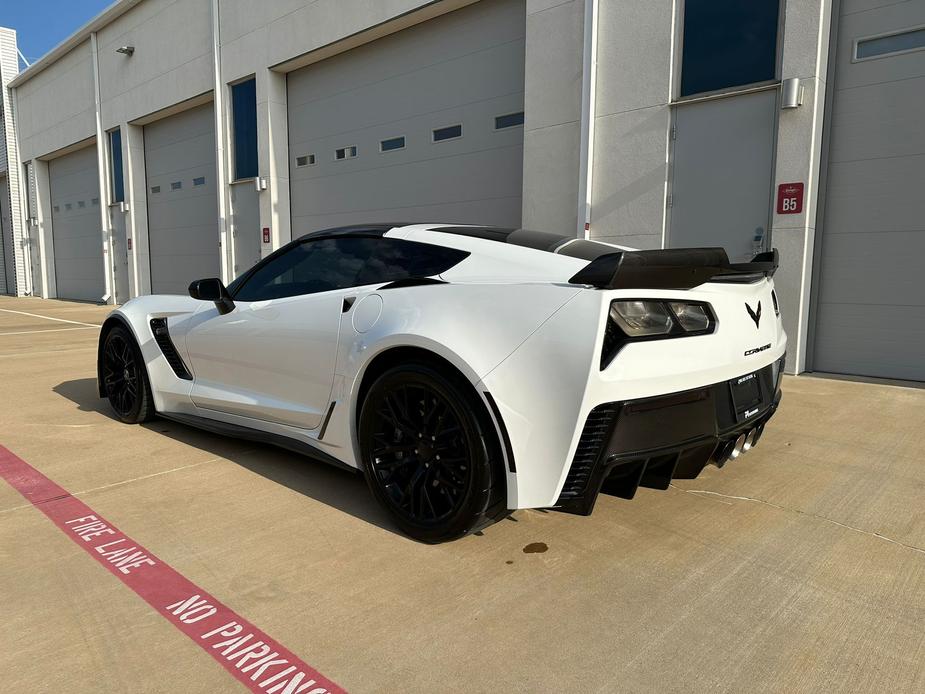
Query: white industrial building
169 140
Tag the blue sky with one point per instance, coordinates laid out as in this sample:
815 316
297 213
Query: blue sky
42 24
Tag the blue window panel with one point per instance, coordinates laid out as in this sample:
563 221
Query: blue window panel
449 133
728 44
244 115
894 43
511 120
392 144
116 181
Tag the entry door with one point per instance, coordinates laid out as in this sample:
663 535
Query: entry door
119 253
722 174
245 225
270 360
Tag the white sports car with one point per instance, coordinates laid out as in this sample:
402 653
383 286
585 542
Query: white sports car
466 370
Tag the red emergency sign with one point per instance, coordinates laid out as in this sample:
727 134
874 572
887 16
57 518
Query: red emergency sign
790 198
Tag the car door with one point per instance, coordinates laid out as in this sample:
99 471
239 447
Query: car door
273 357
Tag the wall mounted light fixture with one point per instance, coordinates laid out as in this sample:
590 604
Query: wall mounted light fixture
791 93
126 50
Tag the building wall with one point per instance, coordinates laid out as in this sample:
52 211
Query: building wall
172 61
17 280
552 107
632 122
179 61
56 109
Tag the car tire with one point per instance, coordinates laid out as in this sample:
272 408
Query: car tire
125 378
430 453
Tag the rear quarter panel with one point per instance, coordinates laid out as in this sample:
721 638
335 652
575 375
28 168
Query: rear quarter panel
472 326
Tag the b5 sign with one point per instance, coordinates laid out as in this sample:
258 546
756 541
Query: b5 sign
790 198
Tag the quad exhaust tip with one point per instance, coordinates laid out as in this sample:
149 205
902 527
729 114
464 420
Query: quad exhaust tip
739 447
731 450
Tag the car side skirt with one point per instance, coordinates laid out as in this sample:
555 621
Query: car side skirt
215 426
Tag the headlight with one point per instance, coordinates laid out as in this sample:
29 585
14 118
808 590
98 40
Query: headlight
641 318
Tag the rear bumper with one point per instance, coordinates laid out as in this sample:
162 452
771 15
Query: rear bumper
650 441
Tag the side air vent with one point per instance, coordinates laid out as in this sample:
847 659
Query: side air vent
593 438
162 338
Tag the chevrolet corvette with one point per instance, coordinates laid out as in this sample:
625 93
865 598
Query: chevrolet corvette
466 371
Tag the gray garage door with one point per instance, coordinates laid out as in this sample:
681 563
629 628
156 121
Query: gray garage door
423 125
871 291
182 200
7 275
76 226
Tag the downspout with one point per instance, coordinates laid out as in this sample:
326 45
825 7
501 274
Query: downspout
102 183
588 100
227 251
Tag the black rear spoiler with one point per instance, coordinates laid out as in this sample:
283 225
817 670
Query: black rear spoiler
673 268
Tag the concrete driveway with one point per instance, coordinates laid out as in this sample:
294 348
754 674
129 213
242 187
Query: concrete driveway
800 567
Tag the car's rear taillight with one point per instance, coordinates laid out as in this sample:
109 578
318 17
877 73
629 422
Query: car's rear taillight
633 320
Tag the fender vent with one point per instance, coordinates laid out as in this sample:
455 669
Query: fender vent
593 437
162 338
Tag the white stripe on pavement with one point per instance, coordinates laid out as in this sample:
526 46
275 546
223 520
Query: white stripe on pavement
52 330
60 320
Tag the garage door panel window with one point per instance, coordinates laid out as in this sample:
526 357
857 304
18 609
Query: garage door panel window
244 115
450 132
392 144
892 44
510 120
330 264
345 153
728 44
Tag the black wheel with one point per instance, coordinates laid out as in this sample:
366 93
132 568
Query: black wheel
125 378
430 453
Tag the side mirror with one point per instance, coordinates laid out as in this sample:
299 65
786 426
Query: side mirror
212 289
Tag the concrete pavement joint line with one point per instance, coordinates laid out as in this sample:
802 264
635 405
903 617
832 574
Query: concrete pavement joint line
49 351
118 484
60 320
247 653
802 513
53 330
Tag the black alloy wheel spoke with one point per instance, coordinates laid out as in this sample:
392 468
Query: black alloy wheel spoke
120 374
419 454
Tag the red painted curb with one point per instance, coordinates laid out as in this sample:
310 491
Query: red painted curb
255 659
